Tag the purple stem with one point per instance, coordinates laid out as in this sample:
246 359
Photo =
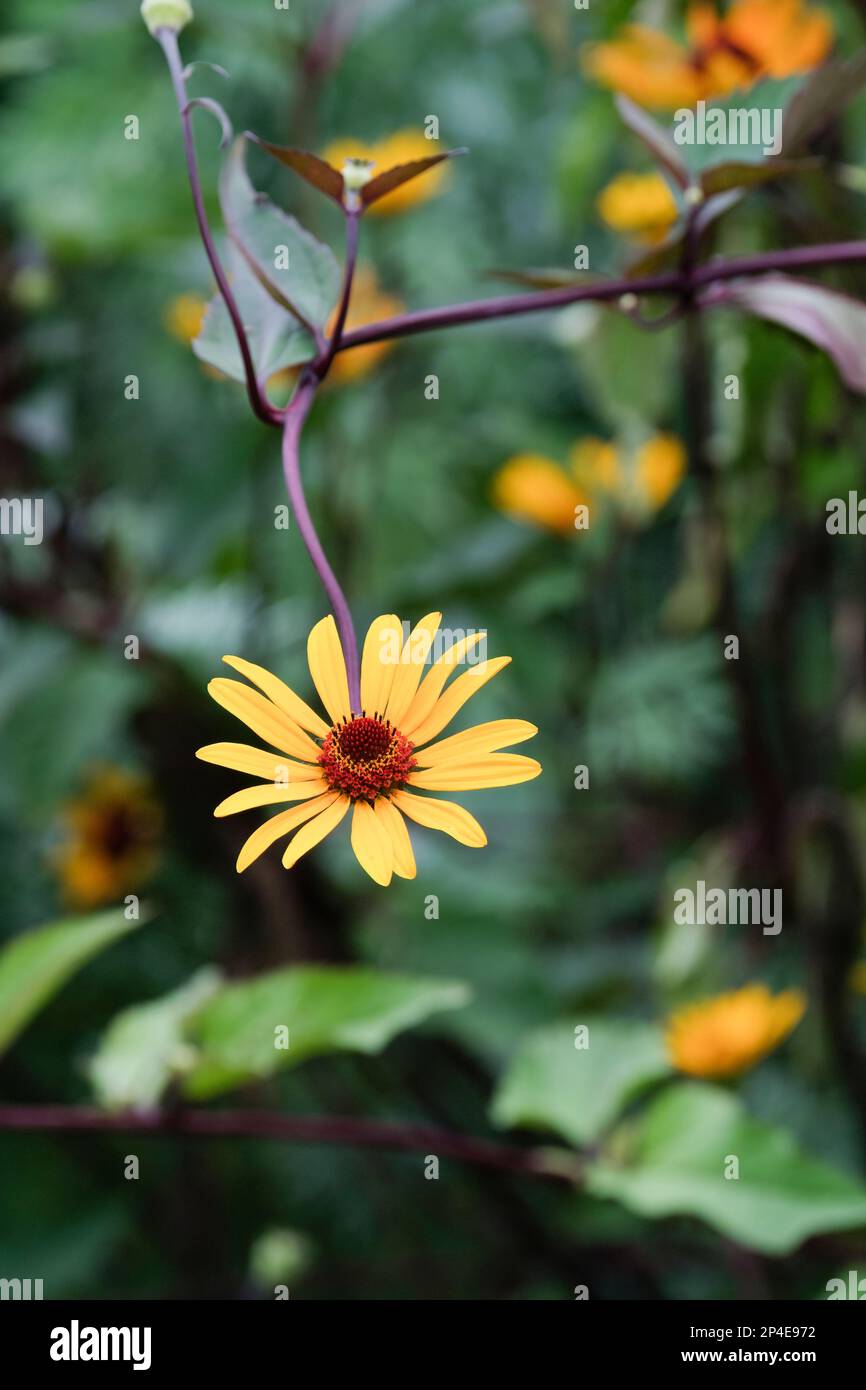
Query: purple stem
168 42
296 414
354 1131
322 365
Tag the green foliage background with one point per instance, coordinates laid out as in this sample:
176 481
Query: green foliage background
161 524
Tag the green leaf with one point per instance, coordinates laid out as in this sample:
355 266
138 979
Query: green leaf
577 1092
324 1008
33 967
308 283
672 1162
276 339
834 322
144 1047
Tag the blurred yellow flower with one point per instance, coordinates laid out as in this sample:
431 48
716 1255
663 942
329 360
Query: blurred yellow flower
368 304
111 838
533 488
754 39
660 466
400 148
640 205
726 1035
184 316
536 489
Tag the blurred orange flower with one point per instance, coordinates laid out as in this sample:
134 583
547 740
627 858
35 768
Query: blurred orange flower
640 205
533 488
724 53
530 487
111 837
400 148
726 1035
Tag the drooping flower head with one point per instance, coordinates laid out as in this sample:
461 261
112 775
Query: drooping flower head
724 1036
374 761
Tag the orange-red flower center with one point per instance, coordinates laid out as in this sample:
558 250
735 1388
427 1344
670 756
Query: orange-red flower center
365 758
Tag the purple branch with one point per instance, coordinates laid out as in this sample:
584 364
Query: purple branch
304 1129
671 283
168 41
296 414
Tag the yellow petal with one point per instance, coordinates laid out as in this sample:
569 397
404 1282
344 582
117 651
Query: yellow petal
269 795
484 738
283 824
372 844
270 723
497 770
455 698
401 845
446 816
315 832
281 694
271 767
328 669
412 660
431 686
383 646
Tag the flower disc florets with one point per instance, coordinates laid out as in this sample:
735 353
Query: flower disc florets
366 758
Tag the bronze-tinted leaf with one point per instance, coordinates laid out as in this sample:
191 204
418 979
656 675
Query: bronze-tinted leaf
316 171
720 178
833 322
400 174
657 140
821 97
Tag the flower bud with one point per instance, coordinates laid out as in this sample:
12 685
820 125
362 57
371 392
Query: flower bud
166 14
357 172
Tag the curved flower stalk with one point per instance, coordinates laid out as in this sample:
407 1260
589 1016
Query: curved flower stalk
372 760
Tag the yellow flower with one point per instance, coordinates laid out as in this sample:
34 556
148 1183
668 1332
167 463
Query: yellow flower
400 148
368 304
725 1036
184 317
533 488
641 482
660 466
367 761
754 39
641 205
110 845
595 465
